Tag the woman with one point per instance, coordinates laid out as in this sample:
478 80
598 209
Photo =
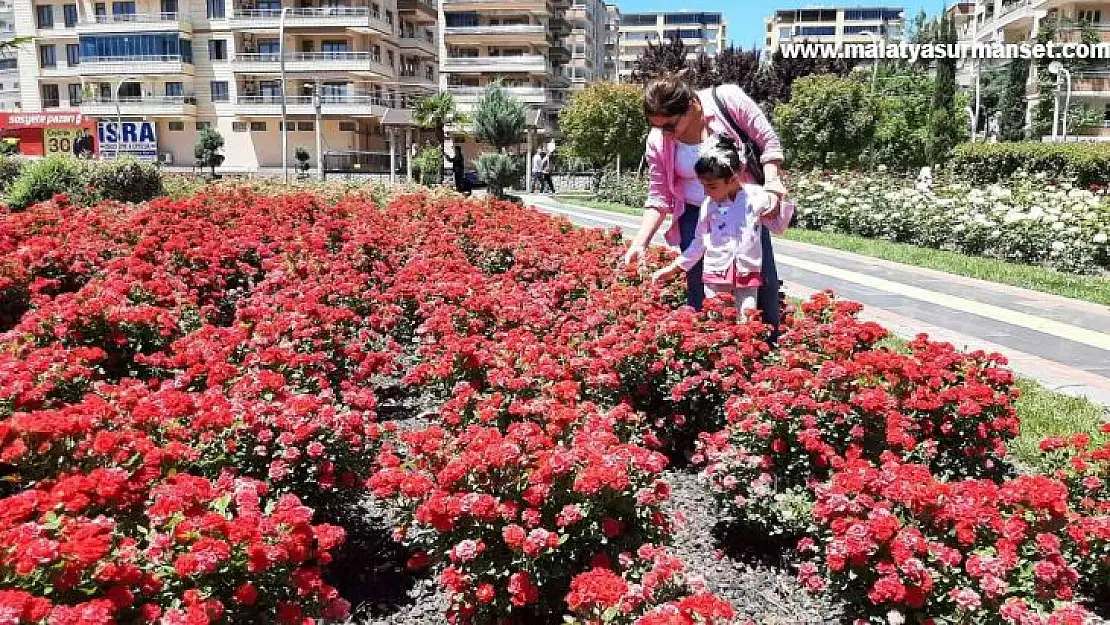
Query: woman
681 119
458 167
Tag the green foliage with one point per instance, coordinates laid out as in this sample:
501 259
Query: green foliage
9 146
435 112
1012 105
499 171
944 124
427 167
828 121
10 169
903 101
604 121
42 180
626 189
499 118
125 180
207 150
301 154
984 163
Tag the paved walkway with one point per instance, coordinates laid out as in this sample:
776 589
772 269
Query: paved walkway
1062 343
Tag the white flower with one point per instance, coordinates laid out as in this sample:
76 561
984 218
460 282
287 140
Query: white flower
1100 238
1057 226
1059 246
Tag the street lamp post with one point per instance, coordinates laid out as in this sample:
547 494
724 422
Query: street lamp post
284 127
874 75
119 114
318 103
1062 74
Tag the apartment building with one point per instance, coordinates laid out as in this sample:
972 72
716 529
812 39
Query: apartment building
9 73
835 25
1018 21
518 43
175 67
612 35
588 20
701 32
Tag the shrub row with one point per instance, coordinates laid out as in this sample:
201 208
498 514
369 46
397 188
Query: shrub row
985 163
84 182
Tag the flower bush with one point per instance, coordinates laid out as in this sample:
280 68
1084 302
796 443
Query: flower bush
189 387
1030 219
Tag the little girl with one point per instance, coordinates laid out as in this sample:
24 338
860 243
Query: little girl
727 236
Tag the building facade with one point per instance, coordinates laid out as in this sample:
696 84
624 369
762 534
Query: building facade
9 72
701 32
520 44
175 67
833 25
588 20
612 36
1024 20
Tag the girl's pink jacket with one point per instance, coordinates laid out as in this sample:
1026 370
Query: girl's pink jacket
664 192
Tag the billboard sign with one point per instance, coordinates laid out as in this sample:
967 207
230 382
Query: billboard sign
136 139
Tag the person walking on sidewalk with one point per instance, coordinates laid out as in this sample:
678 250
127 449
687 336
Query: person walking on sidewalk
539 163
547 169
458 168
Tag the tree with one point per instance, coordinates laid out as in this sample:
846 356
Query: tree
499 119
785 71
604 121
435 112
301 154
943 121
1012 106
902 108
207 150
828 121
660 59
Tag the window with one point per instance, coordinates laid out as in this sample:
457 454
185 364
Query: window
203 126
100 10
289 126
216 9
389 17
50 97
123 11
141 44
376 10
219 91
376 53
1090 16
169 7
74 94
258 126
817 31
269 46
462 20
639 19
176 126
306 126
175 90
73 55
217 49
238 126
389 55
69 14
347 127
47 56
44 16
333 46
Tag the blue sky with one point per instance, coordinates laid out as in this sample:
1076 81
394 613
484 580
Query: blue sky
745 17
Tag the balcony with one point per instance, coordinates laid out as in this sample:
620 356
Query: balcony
417 78
560 27
138 64
359 18
310 62
532 63
342 105
419 11
419 46
1091 83
61 70
470 96
560 55
523 34
539 7
155 106
135 23
1069 31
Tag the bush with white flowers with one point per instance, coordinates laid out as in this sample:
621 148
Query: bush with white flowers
1029 219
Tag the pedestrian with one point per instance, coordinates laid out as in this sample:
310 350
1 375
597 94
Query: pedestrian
458 168
682 119
538 161
547 168
730 223
83 145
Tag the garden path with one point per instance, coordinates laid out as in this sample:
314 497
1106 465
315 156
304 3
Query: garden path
1062 343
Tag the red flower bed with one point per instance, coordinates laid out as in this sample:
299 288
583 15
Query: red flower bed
186 385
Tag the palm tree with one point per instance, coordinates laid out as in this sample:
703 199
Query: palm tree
434 112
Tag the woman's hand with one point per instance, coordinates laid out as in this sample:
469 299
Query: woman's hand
664 273
635 253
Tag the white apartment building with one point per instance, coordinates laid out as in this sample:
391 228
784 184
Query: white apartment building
701 32
176 67
612 35
1023 20
835 25
9 73
518 43
588 20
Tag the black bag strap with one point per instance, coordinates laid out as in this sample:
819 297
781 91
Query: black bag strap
752 151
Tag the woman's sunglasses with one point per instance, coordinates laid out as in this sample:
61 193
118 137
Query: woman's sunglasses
672 125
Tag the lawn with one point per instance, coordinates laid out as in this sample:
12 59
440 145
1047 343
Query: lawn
1088 288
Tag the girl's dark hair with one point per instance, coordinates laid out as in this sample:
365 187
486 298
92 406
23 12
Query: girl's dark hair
720 159
669 95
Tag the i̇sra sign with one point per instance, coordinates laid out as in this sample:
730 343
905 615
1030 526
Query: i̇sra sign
136 139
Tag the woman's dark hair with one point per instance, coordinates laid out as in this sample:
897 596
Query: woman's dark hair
720 159
669 95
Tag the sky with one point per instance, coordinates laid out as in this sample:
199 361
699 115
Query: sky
745 17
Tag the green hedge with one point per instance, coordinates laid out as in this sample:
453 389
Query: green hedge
984 163
85 182
10 169
627 189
